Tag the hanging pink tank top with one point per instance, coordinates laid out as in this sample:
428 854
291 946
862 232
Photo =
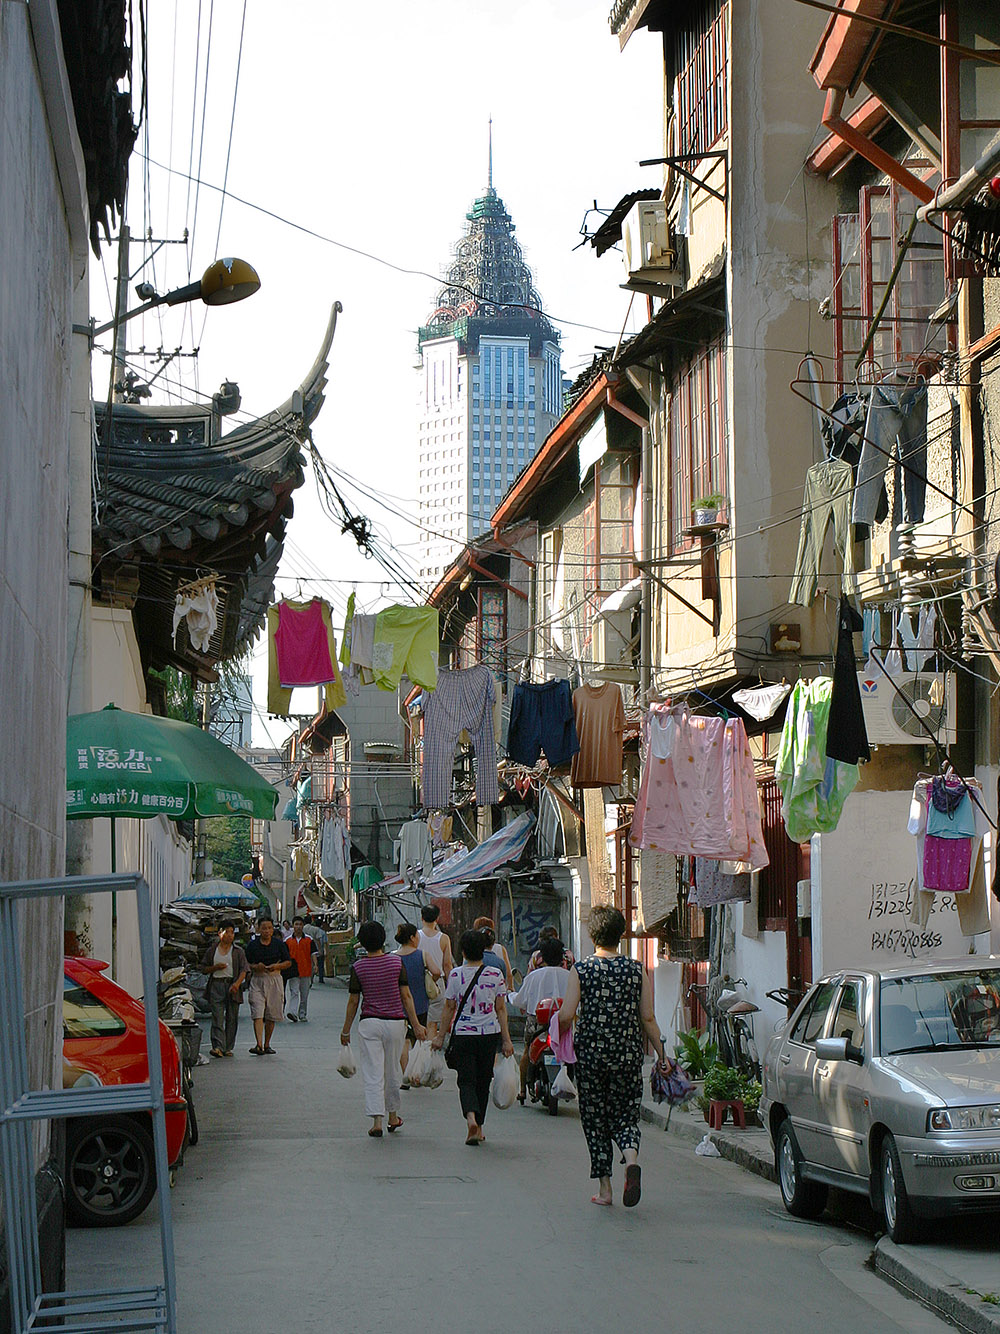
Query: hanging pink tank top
302 645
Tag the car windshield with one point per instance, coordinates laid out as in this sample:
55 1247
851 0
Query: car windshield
937 1011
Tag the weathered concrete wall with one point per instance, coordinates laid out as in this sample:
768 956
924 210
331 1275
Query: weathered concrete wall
36 305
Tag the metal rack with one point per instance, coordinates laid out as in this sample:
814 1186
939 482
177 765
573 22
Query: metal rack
107 1309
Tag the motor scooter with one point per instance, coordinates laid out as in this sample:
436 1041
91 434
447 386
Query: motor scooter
543 1064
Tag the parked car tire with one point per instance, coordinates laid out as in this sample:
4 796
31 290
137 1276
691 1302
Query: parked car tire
110 1170
803 1199
901 1223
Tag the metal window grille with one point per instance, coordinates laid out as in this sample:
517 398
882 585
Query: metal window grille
701 72
779 879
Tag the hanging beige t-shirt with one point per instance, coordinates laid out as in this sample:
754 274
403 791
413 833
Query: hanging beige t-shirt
600 724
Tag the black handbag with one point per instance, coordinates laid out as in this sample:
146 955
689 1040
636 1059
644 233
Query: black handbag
449 1055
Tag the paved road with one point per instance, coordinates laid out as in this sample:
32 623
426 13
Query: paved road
288 1217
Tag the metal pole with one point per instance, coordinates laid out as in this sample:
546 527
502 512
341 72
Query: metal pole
124 237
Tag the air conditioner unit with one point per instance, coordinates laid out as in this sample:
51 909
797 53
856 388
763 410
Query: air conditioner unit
612 646
653 255
890 704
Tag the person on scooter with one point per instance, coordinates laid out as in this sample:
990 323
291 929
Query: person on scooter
550 979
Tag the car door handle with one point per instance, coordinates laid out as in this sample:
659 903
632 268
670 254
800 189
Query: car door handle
823 1072
784 1059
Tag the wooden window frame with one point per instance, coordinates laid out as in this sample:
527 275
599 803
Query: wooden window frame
699 438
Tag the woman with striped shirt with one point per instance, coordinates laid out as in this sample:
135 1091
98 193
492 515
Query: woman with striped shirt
379 985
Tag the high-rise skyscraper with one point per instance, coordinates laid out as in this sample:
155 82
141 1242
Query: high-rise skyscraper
490 387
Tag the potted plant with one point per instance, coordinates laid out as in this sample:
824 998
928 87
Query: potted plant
722 1084
706 509
750 1097
696 1055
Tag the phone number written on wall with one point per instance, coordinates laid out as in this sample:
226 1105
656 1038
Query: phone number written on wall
895 899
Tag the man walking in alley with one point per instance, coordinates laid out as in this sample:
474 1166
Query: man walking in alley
301 948
436 948
268 958
226 966
319 958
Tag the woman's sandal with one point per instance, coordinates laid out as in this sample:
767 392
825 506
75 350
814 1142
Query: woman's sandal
633 1185
521 1097
596 1199
269 1051
394 1125
256 1051
375 1132
473 1140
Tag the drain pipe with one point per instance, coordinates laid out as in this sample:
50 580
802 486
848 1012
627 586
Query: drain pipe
646 457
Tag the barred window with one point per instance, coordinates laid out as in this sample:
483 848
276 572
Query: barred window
701 77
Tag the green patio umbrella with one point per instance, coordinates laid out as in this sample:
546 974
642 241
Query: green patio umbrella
138 765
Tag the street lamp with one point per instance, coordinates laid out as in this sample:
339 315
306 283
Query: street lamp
222 283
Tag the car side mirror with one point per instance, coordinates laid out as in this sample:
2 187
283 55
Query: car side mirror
838 1049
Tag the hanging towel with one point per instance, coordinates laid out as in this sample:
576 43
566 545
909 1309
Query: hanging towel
813 787
198 608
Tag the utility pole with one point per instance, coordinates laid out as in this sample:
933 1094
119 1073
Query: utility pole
121 306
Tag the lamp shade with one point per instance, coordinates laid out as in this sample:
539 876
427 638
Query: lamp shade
228 280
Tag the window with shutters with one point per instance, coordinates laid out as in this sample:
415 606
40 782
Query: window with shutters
701 91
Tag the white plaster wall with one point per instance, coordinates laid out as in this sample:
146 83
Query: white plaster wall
760 958
862 881
152 847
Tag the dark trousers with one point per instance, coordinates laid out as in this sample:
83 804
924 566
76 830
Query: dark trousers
610 1100
475 1054
225 1013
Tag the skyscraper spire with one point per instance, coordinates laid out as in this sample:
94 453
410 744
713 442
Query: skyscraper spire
489 182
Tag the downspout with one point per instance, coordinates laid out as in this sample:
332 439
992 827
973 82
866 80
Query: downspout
646 466
834 121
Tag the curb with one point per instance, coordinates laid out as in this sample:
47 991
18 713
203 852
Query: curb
903 1267
935 1288
749 1149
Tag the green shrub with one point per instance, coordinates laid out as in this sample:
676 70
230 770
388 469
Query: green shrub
750 1094
695 1053
723 1084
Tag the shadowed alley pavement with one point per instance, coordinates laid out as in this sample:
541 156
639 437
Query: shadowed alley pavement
287 1216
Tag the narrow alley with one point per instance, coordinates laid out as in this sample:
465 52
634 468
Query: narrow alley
288 1216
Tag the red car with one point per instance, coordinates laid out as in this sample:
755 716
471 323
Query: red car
110 1171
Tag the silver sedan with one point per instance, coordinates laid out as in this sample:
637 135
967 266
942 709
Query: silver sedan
887 1083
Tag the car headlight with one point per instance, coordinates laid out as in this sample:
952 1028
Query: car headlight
986 1117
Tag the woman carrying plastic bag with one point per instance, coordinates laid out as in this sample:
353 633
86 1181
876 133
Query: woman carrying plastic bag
505 1082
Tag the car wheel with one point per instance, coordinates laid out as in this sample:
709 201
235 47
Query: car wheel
110 1171
901 1224
803 1199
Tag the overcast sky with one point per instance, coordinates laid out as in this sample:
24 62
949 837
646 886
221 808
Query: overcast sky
367 124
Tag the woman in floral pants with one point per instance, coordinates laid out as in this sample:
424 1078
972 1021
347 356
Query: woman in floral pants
611 999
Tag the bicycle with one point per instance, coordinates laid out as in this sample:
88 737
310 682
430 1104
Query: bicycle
730 1024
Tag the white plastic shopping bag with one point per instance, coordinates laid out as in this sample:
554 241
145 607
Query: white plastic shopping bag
505 1082
416 1066
436 1070
347 1065
562 1086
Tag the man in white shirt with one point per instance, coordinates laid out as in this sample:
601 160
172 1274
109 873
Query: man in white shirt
548 982
436 949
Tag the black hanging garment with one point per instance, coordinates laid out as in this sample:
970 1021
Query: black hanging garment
846 737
